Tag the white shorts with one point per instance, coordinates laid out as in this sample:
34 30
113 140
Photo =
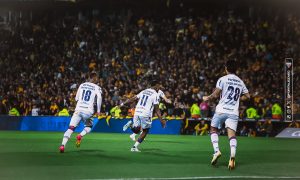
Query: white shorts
78 116
144 122
231 121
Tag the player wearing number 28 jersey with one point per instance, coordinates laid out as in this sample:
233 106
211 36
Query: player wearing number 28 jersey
230 88
86 95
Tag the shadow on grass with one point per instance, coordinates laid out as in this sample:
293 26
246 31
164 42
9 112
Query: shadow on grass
170 142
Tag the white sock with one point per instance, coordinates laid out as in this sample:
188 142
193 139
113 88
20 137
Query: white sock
215 141
136 144
67 136
233 144
85 131
133 134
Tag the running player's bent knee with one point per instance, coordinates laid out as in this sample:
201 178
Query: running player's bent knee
136 130
72 128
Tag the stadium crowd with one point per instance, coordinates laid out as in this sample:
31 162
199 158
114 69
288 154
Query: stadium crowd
43 61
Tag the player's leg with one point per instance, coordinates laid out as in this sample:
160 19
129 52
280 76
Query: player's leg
127 125
140 140
73 123
136 126
145 124
216 123
132 136
231 125
88 124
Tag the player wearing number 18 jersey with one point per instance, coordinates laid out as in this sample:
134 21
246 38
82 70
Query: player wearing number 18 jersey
230 88
86 95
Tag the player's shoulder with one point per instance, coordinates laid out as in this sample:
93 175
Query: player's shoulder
151 91
92 84
160 92
238 78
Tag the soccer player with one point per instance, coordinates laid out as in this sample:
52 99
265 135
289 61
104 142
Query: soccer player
85 97
231 88
147 102
161 95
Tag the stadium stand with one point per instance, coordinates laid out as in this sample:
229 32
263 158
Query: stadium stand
43 58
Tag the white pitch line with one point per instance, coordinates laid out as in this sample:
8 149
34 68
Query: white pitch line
207 177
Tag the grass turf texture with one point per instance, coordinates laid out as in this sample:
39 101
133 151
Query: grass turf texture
34 155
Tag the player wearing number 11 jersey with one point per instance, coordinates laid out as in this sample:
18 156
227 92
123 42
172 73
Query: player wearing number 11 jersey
230 88
148 101
86 95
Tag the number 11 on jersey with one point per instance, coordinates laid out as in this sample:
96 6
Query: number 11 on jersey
144 100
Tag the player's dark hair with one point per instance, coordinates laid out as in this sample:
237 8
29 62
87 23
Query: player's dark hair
93 74
231 66
153 82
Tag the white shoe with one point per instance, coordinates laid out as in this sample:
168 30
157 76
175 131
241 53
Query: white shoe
127 125
135 150
215 158
132 136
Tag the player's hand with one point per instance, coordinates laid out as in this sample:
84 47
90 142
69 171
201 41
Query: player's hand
168 101
163 123
205 98
97 114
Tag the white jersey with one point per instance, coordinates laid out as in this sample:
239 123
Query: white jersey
85 97
232 88
161 94
147 99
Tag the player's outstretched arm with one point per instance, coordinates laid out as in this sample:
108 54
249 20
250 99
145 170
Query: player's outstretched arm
157 111
214 95
129 101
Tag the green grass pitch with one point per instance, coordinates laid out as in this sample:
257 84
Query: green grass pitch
34 155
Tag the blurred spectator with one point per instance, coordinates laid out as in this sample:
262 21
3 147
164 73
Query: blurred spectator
13 112
251 133
201 128
64 112
195 111
252 113
276 111
41 61
294 124
268 111
268 127
244 131
116 112
260 129
179 111
204 109
35 111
